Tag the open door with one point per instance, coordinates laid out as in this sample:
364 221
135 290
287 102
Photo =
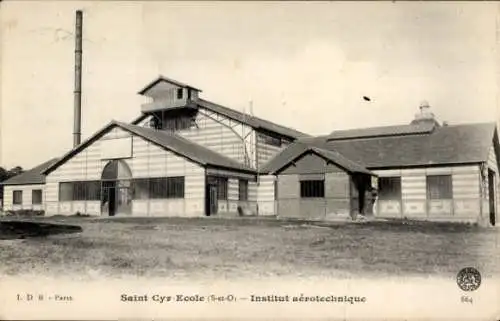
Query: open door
491 196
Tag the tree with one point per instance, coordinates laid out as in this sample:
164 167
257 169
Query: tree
6 174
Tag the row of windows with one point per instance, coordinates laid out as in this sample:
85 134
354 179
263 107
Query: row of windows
270 140
153 188
36 197
142 188
145 188
438 187
389 188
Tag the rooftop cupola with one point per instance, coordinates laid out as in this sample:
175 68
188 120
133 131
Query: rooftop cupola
165 94
425 116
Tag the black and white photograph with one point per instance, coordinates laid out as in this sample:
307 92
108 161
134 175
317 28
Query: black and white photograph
249 159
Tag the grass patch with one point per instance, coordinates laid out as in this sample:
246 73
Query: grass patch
253 247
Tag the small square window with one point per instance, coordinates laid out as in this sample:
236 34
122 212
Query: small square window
179 93
439 187
312 189
389 188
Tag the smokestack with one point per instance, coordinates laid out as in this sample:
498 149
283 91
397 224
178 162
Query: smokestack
78 80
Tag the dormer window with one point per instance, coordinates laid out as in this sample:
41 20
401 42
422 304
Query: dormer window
179 93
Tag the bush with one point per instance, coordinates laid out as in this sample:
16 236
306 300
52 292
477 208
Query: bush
25 213
78 214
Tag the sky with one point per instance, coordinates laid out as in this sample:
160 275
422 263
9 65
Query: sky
306 65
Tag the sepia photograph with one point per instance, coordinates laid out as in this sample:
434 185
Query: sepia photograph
249 159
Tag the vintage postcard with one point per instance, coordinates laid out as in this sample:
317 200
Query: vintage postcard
249 160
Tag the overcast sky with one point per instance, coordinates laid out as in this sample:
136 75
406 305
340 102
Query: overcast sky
305 65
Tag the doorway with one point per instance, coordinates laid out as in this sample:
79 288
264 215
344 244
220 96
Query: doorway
211 200
108 202
116 189
491 196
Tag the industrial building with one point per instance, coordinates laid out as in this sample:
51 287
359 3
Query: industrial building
425 170
186 156
183 156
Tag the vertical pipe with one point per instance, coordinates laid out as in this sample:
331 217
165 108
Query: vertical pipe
78 79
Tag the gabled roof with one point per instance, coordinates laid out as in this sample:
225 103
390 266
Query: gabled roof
165 79
32 176
445 145
297 150
169 141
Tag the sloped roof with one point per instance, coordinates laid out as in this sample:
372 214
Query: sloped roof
252 121
296 150
169 141
161 78
445 145
32 176
255 122
185 147
399 130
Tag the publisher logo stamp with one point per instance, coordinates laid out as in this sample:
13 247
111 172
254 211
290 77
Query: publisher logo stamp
469 279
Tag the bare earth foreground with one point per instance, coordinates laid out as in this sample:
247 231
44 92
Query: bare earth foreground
243 248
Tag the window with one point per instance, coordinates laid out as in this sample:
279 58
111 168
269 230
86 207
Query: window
270 140
179 93
157 188
178 123
162 187
17 197
243 190
221 183
439 187
389 188
36 196
80 191
140 187
276 190
65 191
312 188
175 187
93 190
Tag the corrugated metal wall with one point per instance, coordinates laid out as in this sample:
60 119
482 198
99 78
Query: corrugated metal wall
465 205
266 152
265 195
337 194
337 200
148 160
493 165
224 136
27 194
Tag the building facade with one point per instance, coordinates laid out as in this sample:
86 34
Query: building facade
186 156
424 170
183 156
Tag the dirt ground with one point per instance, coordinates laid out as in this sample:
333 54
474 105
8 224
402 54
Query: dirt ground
242 248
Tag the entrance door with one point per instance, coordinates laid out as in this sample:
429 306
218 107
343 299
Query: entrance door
108 202
212 204
491 195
